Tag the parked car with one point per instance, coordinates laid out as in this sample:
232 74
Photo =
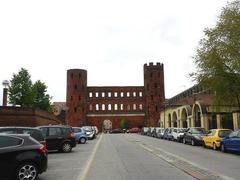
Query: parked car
168 134
80 135
231 142
214 136
165 133
134 130
178 133
118 130
21 157
144 130
33 132
90 132
96 129
59 138
150 131
160 132
155 130
194 136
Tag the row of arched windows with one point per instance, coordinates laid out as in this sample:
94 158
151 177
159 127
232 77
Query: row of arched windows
115 94
115 107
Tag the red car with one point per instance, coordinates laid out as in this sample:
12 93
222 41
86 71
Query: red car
134 130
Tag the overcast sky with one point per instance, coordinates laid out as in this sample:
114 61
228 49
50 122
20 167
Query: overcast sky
111 39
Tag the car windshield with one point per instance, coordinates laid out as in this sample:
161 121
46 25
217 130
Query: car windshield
198 131
224 133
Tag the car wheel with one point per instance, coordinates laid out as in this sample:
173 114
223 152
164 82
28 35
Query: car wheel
193 142
27 170
223 149
184 141
82 140
66 147
214 146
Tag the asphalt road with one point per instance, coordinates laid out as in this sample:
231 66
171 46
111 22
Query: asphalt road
68 166
136 157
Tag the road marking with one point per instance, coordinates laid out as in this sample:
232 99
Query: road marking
186 166
90 161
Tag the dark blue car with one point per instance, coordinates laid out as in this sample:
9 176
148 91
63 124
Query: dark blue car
231 142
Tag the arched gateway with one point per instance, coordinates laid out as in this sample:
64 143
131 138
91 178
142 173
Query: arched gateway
107 125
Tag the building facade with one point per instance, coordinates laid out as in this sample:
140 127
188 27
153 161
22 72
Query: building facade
194 108
106 106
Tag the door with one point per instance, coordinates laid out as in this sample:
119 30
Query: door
54 138
107 125
8 147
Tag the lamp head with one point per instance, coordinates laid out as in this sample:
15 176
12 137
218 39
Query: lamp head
5 83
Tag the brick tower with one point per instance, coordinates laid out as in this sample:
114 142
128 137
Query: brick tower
154 92
76 97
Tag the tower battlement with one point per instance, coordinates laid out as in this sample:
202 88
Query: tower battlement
153 65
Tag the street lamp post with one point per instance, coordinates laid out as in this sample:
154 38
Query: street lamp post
5 84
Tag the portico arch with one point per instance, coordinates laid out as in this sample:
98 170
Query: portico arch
184 118
169 120
107 125
197 113
174 117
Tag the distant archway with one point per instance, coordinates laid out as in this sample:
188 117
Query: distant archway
197 114
184 118
174 118
107 125
169 120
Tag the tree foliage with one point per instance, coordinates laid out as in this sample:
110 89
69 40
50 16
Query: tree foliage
123 124
22 92
41 99
218 57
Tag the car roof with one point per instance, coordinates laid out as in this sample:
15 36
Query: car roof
14 135
62 126
18 127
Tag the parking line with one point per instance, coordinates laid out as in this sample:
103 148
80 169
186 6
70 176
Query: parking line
90 161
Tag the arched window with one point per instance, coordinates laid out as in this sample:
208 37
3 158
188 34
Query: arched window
128 94
115 94
115 107
109 107
122 94
121 107
103 94
96 94
128 107
90 94
134 107
140 94
103 107
97 107
140 106
90 107
134 94
109 94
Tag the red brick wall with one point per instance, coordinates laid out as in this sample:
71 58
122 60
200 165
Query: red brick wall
147 99
17 116
133 121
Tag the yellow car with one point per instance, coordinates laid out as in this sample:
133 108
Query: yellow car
213 138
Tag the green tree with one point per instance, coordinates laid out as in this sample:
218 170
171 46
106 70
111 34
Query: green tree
20 90
41 99
218 57
123 124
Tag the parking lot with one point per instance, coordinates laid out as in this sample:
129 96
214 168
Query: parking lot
68 166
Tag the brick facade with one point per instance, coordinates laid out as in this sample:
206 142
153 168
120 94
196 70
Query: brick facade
18 116
139 105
